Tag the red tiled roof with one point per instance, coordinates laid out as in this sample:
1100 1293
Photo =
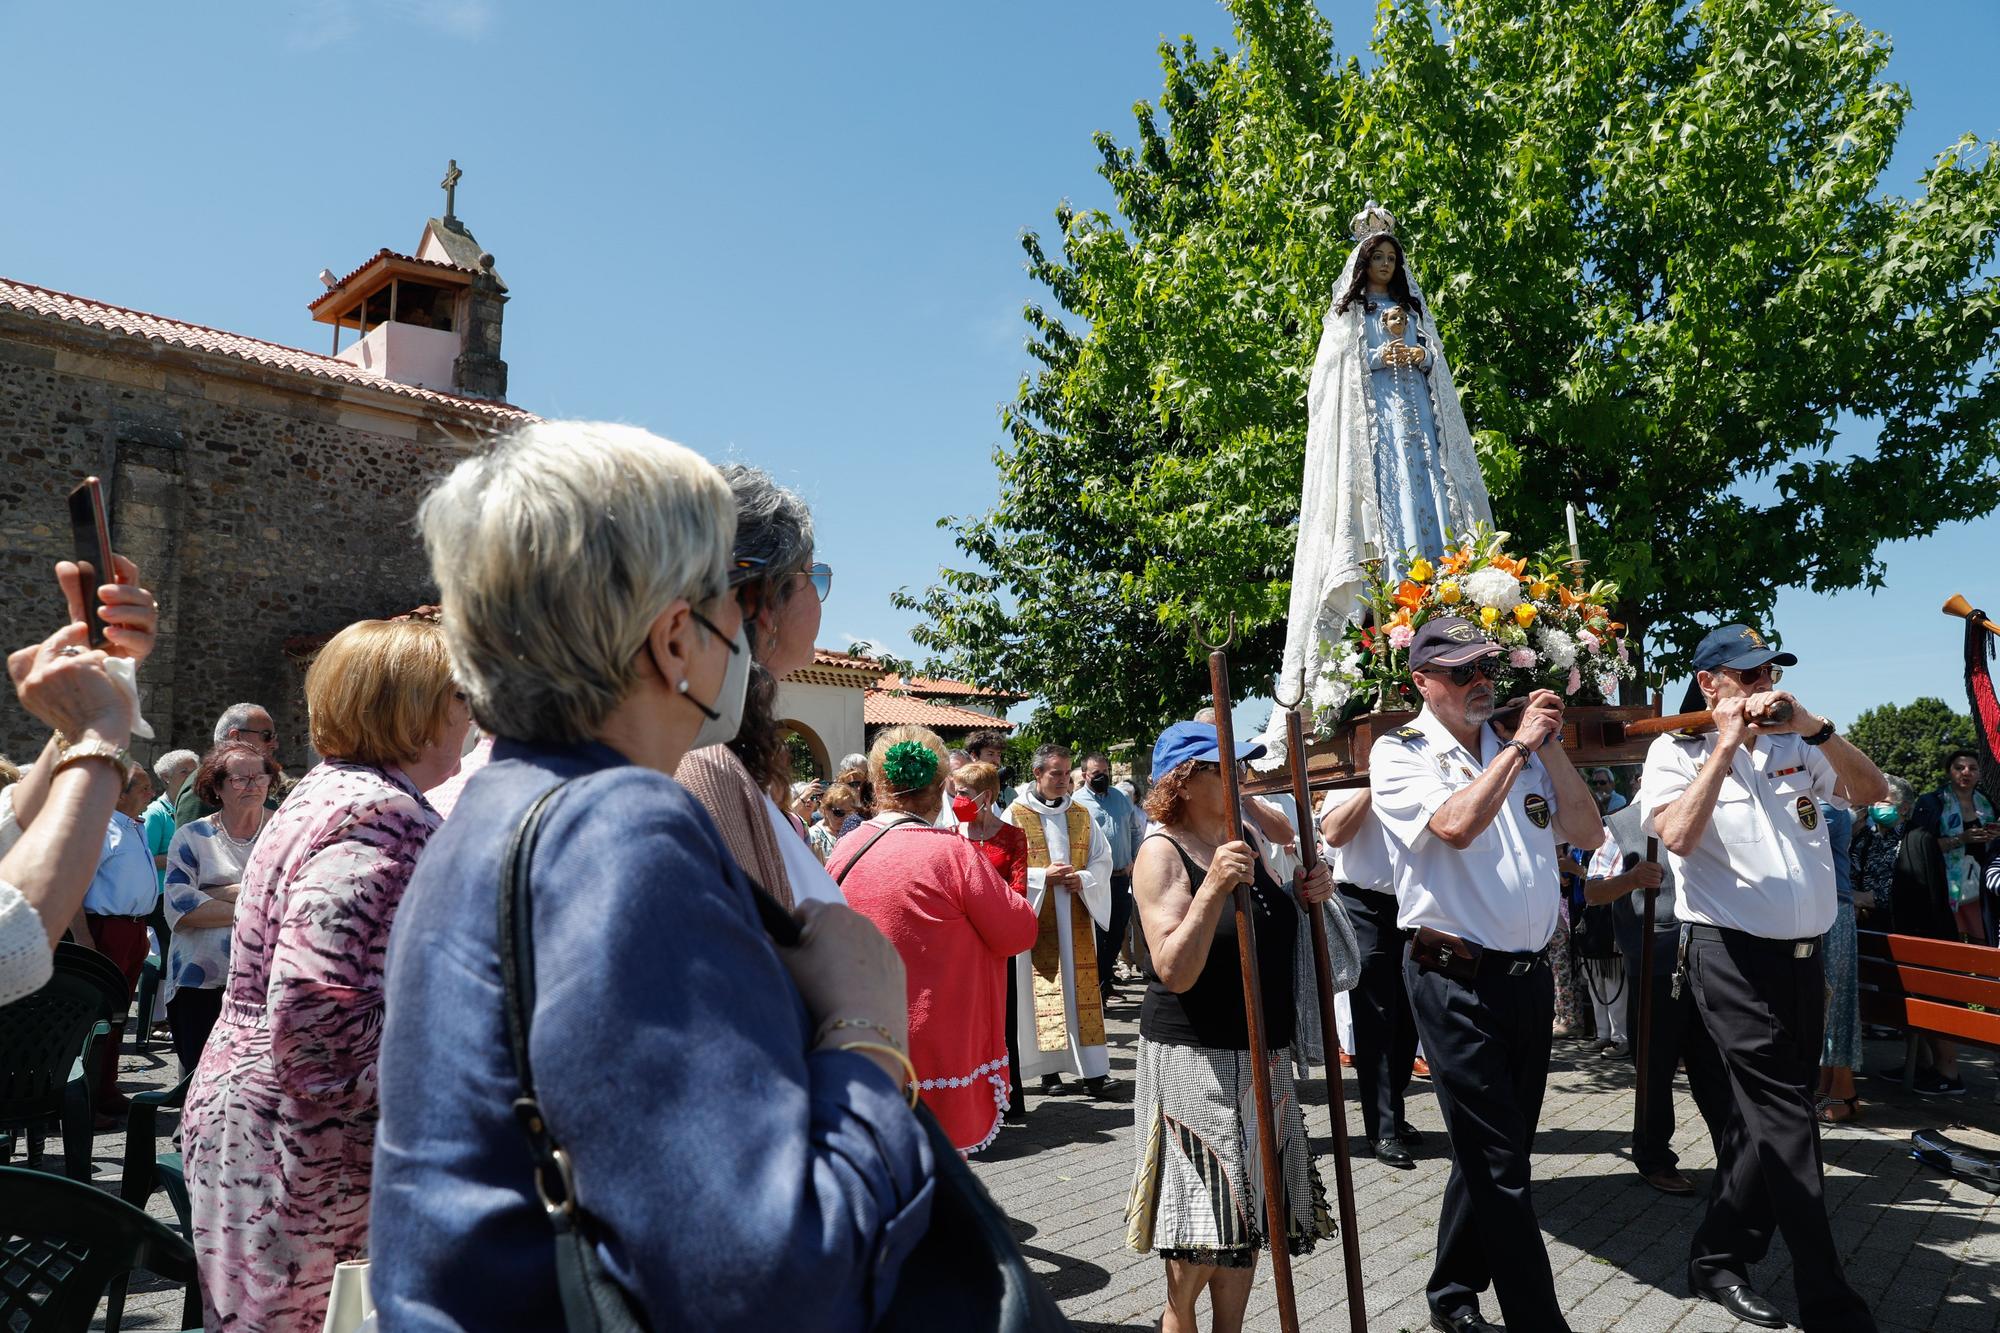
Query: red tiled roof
935 685
45 303
384 253
880 708
828 657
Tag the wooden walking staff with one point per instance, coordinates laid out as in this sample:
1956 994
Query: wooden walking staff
1329 1028
1645 1043
1277 1213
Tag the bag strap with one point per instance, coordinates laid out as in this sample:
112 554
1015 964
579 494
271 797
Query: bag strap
876 837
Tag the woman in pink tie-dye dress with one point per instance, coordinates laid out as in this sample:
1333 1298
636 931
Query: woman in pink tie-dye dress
279 1129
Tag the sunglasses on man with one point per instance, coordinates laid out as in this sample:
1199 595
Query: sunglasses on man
1488 667
1754 674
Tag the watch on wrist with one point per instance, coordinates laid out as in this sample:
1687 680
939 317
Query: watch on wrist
75 752
1822 736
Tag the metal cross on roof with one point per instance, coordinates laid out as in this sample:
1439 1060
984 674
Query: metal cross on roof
450 184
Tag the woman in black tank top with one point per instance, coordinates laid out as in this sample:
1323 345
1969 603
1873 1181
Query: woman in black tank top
1197 1192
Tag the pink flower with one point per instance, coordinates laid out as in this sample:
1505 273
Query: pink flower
1523 658
1589 640
1575 681
1624 652
1400 636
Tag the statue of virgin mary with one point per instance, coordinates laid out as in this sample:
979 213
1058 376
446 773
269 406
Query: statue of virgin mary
1389 464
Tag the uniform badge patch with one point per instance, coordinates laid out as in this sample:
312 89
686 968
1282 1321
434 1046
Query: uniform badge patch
1808 813
1537 810
1407 734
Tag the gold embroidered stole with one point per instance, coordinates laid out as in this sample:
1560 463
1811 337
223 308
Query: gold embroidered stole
1051 1013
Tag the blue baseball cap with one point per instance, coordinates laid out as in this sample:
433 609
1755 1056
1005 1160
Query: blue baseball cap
1186 741
1739 648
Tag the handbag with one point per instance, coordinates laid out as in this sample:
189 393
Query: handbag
592 1300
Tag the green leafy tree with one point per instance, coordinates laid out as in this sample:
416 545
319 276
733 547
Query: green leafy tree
1664 263
1911 740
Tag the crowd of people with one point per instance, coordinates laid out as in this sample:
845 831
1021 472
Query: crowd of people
547 943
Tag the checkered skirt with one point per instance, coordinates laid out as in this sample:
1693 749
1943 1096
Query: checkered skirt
1197 1186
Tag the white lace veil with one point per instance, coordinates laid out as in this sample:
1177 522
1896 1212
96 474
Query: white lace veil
1339 508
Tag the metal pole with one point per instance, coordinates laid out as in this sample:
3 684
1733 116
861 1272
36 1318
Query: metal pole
1329 1030
1277 1215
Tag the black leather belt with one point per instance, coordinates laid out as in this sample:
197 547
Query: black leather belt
1726 935
1493 963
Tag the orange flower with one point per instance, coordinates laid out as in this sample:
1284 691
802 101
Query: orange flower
1571 598
1409 595
1540 588
1401 617
1456 561
1510 564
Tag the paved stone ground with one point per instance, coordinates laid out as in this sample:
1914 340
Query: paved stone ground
1922 1247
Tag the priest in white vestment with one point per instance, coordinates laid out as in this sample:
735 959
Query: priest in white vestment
1059 1009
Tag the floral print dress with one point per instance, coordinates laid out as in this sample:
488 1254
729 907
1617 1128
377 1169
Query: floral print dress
279 1128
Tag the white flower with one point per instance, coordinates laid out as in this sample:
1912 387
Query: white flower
1607 686
1558 648
1332 692
1493 587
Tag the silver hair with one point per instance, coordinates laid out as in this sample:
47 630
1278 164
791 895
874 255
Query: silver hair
774 531
555 553
184 760
1047 751
848 761
1901 792
235 718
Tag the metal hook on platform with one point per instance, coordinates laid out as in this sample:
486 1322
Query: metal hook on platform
1287 705
1228 637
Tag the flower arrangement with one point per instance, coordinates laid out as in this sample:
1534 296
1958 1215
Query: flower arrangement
1556 635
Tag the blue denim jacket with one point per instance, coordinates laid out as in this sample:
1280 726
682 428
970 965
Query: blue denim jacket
739 1182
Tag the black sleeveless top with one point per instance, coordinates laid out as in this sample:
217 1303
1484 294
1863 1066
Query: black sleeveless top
1210 1012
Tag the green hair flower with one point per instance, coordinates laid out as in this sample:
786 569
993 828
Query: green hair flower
909 766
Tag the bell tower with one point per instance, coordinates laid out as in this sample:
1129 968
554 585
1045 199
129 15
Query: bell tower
431 318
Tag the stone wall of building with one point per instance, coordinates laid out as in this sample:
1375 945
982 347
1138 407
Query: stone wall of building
261 505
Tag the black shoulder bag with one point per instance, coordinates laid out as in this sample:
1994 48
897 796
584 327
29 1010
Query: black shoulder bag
967 1273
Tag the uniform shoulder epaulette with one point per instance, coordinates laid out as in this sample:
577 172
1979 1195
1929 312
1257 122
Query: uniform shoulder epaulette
1408 735
1685 734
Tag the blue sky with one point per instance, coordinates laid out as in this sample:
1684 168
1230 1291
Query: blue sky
784 233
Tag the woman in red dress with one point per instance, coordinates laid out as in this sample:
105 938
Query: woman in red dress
954 922
974 793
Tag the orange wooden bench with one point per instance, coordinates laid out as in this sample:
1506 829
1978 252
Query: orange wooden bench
1940 987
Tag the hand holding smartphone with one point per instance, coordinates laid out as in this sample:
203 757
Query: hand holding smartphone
90 539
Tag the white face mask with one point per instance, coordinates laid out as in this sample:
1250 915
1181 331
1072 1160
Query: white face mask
726 715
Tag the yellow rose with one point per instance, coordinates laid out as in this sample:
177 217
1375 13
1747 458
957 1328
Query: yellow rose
1540 589
1448 593
1489 616
1421 571
1524 614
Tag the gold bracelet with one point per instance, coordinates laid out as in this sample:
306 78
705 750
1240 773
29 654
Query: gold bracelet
833 1025
909 1089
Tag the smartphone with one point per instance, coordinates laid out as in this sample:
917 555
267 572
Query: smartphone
90 538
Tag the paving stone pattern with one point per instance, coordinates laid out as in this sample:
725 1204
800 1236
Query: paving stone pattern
1923 1248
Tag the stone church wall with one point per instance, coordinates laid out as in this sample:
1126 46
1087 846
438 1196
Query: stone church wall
261 505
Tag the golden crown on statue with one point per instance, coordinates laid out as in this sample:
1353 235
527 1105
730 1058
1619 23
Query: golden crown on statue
1374 220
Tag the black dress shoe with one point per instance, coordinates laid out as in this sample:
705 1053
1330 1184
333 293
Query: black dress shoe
1745 1304
1408 1134
1470 1322
1051 1083
1095 1086
1391 1153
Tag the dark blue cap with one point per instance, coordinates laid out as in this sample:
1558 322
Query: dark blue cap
1185 741
1739 648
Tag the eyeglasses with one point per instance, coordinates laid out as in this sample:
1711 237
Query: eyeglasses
247 780
1462 674
1745 677
264 734
746 567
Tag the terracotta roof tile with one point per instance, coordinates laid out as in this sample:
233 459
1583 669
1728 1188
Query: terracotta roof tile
828 657
384 253
937 685
48 304
880 708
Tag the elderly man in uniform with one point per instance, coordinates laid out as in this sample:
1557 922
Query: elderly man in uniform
1385 1033
1737 809
1473 821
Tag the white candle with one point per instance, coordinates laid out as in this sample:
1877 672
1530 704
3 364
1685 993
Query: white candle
1574 554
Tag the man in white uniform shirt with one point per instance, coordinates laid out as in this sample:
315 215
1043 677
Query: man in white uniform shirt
1737 809
1385 1032
1473 823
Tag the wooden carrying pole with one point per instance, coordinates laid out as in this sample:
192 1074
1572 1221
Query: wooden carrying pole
1277 1213
1644 1045
1329 1029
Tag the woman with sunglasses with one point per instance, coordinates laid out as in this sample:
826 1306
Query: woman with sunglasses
780 587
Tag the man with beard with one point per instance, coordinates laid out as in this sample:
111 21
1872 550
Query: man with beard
1473 822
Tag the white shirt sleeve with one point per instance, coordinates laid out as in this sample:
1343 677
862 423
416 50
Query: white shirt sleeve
26 961
10 827
1823 777
1669 769
1608 859
1407 788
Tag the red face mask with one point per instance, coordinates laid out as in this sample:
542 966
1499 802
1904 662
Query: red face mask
966 808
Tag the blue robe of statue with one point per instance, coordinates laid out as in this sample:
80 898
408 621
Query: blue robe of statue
1409 474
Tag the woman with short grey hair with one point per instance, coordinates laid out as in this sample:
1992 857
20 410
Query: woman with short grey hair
731 1115
779 587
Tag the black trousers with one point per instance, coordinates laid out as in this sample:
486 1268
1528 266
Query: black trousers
1385 1032
1015 1101
1677 1033
1111 938
1488 1046
191 1015
1765 1011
